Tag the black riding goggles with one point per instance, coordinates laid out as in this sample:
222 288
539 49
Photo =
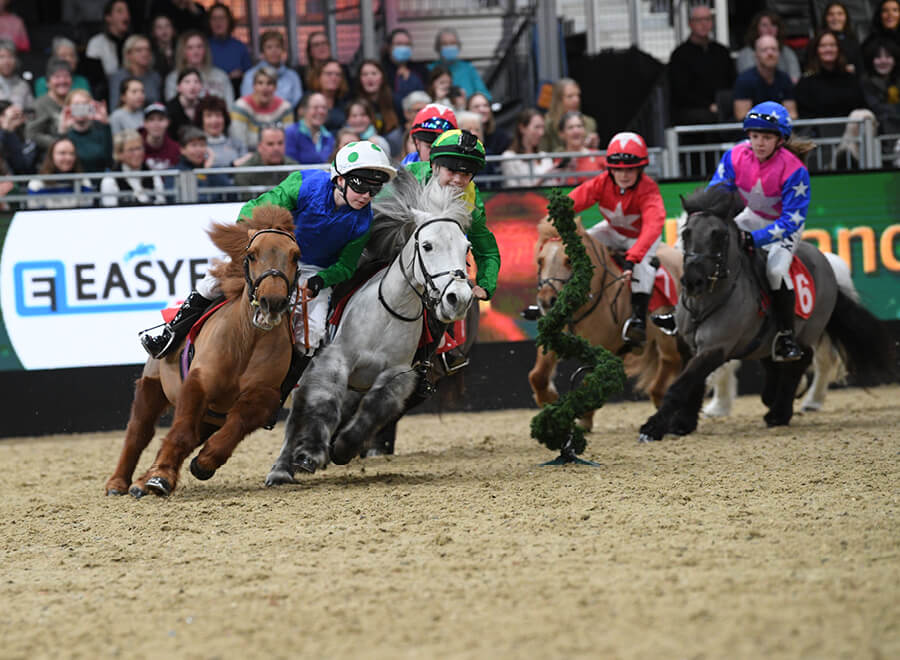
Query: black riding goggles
766 118
623 159
363 186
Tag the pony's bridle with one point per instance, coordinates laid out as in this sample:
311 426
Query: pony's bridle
253 285
719 259
596 297
432 295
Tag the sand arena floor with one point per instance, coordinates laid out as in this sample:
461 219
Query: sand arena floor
737 542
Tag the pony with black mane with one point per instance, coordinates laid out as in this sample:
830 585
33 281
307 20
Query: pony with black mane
722 314
365 376
241 358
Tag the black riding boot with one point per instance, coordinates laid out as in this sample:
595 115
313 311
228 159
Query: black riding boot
176 329
635 330
784 348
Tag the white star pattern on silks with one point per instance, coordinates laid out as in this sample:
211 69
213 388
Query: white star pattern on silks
618 218
627 136
720 170
797 218
758 201
776 231
800 189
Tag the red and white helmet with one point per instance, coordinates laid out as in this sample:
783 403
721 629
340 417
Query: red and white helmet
626 150
431 121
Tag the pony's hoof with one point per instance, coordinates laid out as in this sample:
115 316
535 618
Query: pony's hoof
279 477
308 465
646 437
114 491
373 452
776 420
137 492
811 407
159 486
716 411
199 472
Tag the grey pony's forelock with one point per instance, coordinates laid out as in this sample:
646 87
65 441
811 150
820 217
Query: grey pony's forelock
403 205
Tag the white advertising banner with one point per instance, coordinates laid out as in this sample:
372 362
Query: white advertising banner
76 286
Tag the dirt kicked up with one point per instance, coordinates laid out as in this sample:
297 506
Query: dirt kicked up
737 542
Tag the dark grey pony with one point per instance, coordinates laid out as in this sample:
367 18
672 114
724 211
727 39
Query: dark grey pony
719 318
362 379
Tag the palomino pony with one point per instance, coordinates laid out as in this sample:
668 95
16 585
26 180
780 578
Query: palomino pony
241 356
364 377
719 318
600 320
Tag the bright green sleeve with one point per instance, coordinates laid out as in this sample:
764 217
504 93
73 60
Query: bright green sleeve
283 195
484 248
345 266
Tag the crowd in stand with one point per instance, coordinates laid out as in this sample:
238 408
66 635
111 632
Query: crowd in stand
173 89
836 76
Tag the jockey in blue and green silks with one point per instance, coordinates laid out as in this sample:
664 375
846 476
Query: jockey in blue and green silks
332 218
456 157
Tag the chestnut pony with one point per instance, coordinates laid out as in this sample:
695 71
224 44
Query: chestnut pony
600 320
241 356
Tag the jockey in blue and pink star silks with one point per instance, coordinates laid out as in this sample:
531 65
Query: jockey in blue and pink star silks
776 190
774 184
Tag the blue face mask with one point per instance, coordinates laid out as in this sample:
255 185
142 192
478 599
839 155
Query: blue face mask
401 53
449 53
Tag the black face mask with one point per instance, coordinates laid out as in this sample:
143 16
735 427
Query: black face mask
363 186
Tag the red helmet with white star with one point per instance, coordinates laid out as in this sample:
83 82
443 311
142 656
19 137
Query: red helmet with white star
431 121
626 150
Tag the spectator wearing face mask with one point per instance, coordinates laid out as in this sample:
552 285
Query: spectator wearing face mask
401 73
447 45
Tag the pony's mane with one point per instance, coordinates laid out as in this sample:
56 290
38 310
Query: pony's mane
716 200
403 205
232 239
547 232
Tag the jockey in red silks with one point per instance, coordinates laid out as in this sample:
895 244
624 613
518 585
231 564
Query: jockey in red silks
429 122
633 218
332 217
774 183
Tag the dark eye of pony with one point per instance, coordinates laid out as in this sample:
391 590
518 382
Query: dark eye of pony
427 247
251 257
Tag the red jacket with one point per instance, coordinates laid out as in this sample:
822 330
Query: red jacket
637 213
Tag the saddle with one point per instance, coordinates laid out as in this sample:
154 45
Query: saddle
804 286
665 293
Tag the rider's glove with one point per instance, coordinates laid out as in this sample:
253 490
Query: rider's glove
629 265
314 284
747 242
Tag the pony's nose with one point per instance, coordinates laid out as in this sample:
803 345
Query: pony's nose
273 305
452 299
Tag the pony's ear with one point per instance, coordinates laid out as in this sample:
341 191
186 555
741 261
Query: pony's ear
250 233
683 203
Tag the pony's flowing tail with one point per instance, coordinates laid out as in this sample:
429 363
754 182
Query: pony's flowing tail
868 349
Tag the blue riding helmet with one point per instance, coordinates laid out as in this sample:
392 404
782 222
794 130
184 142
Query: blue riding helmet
769 116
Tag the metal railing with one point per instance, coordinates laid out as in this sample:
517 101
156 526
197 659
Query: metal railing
694 159
675 160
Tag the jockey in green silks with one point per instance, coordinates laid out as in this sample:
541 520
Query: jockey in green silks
456 157
332 217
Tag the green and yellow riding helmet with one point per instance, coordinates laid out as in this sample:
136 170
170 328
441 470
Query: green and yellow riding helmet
458 150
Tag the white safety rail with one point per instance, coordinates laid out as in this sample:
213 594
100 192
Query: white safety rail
688 158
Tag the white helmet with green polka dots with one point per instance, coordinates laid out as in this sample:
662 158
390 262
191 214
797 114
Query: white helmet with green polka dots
366 160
